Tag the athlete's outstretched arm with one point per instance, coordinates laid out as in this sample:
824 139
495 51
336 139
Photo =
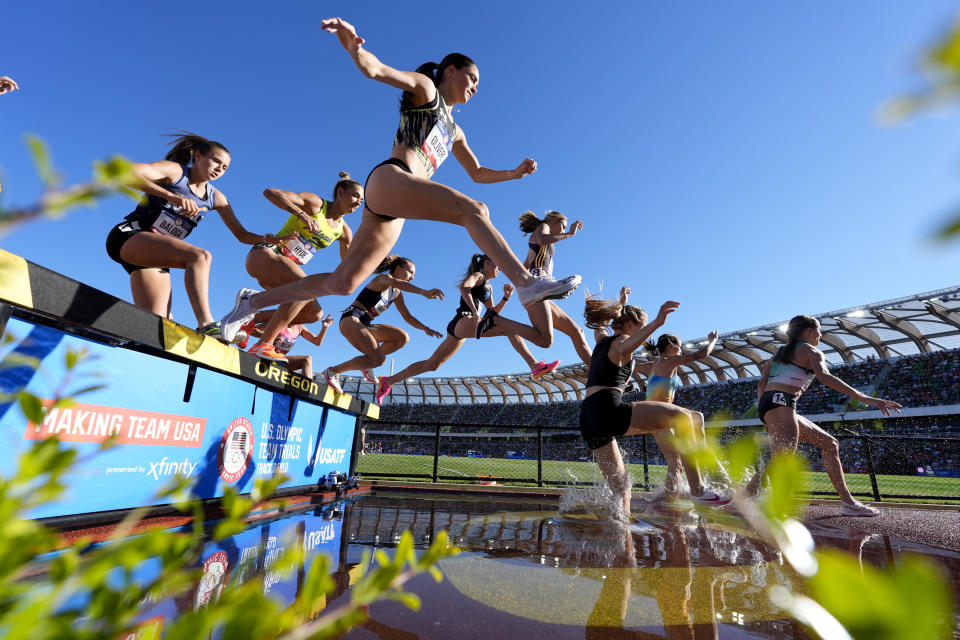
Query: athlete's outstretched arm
303 205
636 340
8 84
819 366
317 338
507 292
390 281
468 160
699 354
413 322
542 235
229 218
370 66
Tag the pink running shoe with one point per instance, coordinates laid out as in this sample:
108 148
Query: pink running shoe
370 376
543 368
383 390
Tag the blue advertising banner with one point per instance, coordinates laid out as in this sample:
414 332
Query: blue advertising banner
234 560
227 433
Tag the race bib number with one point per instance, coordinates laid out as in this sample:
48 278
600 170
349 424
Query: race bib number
298 249
437 146
170 224
779 399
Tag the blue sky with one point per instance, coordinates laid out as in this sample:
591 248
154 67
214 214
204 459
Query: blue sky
724 155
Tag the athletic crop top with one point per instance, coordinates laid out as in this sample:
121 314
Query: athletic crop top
543 257
603 372
306 243
429 130
376 302
789 374
480 292
662 389
160 216
284 341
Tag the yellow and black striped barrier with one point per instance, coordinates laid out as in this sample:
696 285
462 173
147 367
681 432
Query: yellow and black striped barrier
78 308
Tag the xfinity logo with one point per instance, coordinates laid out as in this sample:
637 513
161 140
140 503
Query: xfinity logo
164 468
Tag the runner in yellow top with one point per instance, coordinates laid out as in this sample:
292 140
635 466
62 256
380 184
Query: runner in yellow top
314 223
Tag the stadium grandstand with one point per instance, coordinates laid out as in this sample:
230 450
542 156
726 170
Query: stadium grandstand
906 349
879 345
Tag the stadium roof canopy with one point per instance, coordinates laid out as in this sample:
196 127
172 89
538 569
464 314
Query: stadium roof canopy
915 324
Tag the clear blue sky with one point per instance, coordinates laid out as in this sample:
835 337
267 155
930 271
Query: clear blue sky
726 155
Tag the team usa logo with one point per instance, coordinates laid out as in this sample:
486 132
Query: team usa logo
236 450
213 580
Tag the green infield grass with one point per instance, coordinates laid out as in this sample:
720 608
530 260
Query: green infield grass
524 472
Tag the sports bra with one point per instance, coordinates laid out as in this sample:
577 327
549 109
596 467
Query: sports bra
376 302
429 130
480 292
603 372
661 388
543 257
161 216
789 374
285 339
306 243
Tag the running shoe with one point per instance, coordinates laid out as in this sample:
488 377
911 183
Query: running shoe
333 380
247 331
240 315
543 368
546 288
212 330
486 323
858 509
369 376
383 390
711 499
267 351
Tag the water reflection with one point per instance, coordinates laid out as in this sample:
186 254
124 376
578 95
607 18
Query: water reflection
527 571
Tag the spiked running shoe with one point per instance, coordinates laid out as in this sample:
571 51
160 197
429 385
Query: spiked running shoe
247 331
546 288
711 499
369 375
543 368
333 380
266 350
383 390
240 315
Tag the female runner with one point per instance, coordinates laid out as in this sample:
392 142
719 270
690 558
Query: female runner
787 375
544 234
285 340
469 322
151 240
400 188
604 416
661 387
315 224
376 342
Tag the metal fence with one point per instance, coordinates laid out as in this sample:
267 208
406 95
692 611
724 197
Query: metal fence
877 466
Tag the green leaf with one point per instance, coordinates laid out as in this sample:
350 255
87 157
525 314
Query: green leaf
32 407
41 160
741 456
786 473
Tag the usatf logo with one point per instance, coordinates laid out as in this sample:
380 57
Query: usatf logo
236 450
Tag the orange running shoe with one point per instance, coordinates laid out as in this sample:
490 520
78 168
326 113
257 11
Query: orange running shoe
266 350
